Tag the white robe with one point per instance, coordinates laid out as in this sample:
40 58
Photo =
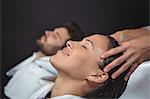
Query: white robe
27 77
139 83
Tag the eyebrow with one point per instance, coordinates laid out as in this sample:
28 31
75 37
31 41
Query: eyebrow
90 43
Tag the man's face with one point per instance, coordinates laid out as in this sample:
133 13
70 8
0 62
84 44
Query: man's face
54 40
79 59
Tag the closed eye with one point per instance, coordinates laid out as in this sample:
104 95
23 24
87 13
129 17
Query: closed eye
84 46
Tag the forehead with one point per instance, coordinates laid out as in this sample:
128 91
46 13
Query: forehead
63 33
62 30
99 41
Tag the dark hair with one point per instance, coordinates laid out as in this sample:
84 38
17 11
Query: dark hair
74 31
113 88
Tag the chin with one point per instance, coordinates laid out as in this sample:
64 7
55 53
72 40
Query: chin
54 61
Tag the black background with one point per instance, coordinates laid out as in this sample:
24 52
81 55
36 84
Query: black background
24 20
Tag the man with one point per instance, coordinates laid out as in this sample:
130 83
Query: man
27 74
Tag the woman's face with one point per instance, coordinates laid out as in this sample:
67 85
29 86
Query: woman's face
80 58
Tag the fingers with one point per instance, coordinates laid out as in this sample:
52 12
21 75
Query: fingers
125 66
117 61
132 69
113 51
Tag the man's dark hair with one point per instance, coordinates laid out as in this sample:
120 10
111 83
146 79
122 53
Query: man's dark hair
74 30
113 88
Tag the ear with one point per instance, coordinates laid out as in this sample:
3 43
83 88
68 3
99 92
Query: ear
100 77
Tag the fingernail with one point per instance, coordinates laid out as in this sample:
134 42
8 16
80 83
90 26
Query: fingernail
126 78
102 56
113 77
105 69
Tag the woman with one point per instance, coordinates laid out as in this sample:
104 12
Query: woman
80 71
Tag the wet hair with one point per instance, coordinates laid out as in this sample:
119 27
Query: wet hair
113 88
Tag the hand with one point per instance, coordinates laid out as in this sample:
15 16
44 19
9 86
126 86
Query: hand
135 51
129 34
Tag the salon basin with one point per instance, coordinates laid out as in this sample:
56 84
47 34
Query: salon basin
139 83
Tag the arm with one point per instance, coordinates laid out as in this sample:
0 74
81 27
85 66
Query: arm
128 34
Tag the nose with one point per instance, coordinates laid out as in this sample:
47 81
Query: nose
47 33
70 44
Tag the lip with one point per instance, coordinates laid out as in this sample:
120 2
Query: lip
45 35
43 38
65 51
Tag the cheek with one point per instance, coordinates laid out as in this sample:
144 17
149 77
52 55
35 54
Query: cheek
78 66
55 43
42 39
40 42
76 59
50 41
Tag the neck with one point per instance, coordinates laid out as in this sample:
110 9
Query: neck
68 86
40 54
